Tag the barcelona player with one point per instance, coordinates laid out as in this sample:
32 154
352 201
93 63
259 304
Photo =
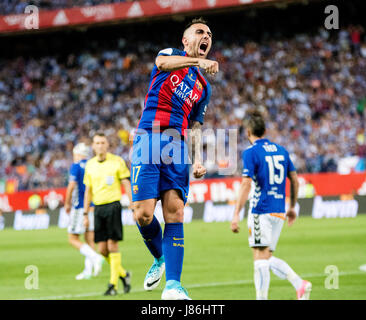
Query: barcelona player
177 99
266 165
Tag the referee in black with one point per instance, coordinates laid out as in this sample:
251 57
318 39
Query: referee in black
105 174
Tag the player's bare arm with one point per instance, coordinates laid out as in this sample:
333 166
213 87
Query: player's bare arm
69 190
196 142
172 63
243 195
294 188
87 201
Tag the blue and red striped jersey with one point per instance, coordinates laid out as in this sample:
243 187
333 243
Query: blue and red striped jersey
175 97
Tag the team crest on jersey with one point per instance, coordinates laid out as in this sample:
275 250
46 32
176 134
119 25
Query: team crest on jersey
191 76
135 189
199 85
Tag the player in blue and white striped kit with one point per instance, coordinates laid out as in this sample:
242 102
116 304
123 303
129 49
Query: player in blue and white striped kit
266 165
74 203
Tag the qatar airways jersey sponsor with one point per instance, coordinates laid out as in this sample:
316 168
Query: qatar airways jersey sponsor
184 91
175 97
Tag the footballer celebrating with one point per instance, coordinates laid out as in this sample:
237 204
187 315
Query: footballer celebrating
267 165
177 99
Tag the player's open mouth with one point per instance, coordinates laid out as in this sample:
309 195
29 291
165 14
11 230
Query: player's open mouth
202 49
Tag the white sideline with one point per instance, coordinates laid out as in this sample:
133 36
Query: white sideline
198 285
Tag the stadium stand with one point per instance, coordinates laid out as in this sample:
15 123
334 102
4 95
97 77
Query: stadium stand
311 86
18 6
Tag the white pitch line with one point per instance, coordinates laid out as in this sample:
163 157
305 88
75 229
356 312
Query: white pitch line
192 286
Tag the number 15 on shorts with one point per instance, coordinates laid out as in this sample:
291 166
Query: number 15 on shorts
135 173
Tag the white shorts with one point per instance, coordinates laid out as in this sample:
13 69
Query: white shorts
76 221
265 229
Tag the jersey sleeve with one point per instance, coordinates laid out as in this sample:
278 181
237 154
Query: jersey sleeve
248 163
87 178
199 111
170 52
123 171
74 172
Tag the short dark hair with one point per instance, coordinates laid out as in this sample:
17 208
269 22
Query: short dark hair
195 21
254 121
99 134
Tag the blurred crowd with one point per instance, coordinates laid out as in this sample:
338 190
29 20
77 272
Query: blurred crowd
311 88
18 6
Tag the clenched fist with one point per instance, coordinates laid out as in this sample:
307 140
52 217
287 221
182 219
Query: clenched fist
198 170
210 66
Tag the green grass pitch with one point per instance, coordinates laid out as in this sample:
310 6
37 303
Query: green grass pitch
217 264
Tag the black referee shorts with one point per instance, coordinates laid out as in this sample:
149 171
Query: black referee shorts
108 222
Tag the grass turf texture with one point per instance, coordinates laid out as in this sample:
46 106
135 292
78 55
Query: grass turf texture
217 264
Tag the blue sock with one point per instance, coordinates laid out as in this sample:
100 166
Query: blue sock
152 235
173 250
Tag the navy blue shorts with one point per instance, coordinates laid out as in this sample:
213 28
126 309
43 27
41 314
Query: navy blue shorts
159 163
